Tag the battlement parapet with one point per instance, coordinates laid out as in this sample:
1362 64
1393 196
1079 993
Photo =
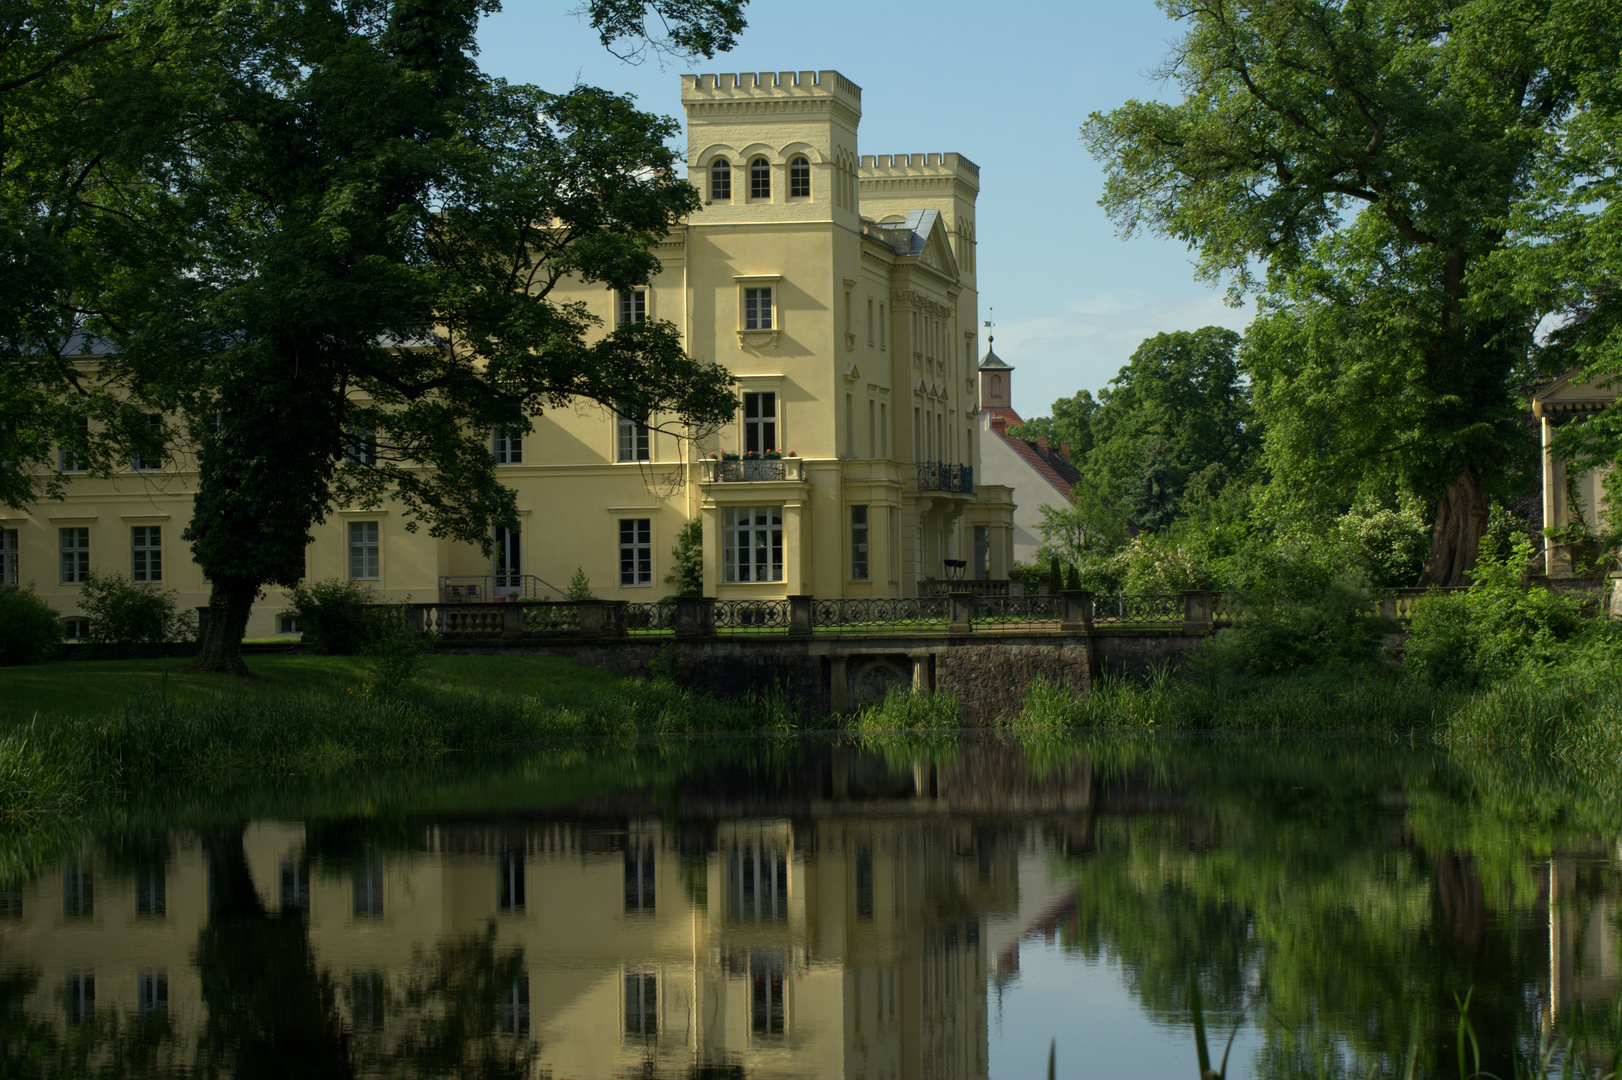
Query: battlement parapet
770 84
915 166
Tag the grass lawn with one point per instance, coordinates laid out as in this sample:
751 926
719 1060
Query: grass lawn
92 687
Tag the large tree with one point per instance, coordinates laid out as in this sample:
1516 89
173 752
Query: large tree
1364 157
361 232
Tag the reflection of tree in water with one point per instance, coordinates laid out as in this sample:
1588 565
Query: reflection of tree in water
1301 902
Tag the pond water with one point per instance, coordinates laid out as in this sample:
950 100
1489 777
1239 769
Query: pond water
822 907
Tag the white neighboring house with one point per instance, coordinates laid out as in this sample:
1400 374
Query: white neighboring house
1041 475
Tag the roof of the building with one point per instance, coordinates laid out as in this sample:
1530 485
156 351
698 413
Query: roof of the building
1004 411
993 362
918 223
1051 466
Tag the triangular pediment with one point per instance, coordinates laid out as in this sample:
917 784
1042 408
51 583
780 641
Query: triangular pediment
937 252
1566 388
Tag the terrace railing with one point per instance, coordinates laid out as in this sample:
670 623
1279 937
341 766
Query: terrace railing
957 612
942 476
745 470
486 588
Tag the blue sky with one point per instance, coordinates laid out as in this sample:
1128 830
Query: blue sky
1009 89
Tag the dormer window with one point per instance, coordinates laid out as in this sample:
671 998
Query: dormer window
799 178
720 180
760 179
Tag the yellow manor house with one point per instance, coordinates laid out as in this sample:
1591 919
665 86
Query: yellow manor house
839 289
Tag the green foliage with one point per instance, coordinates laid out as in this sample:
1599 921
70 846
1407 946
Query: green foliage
1071 423
908 710
1055 574
29 627
1501 625
335 615
1072 580
687 572
580 586
125 615
1390 540
395 651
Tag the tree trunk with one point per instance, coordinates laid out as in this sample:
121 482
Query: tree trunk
230 600
1461 519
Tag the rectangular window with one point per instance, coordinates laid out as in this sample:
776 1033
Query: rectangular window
766 1004
884 429
363 550
75 629
752 543
151 891
295 882
636 551
78 891
640 893
631 435
760 423
512 1015
850 426
367 994
79 996
870 320
642 1004
152 992
982 552
757 883
858 543
631 306
368 886
71 456
507 445
289 624
509 568
75 554
8 557
360 447
149 455
757 309
510 880
872 428
882 325
146 553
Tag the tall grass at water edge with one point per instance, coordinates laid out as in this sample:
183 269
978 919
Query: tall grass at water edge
54 766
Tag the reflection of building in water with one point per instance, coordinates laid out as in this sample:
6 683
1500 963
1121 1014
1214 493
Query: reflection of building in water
847 946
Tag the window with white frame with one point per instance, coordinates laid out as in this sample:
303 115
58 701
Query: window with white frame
509 566
75 546
507 445
364 561
510 879
71 455
289 624
642 1004
149 455
152 992
721 180
858 543
757 308
75 629
760 179
982 552
512 1015
360 447
760 422
8 557
146 553
752 543
636 551
631 306
630 435
799 178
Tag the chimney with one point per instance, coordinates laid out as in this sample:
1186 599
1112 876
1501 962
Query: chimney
1042 445
999 423
1064 448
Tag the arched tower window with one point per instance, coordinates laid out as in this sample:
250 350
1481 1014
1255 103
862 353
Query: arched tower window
721 180
760 179
799 178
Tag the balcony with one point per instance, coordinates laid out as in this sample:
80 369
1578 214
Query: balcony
747 470
940 476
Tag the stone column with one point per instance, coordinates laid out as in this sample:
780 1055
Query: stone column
512 621
920 673
416 617
799 616
601 618
1199 611
1076 612
695 616
838 685
959 612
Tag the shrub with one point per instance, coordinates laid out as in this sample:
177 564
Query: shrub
125 615
580 586
1389 541
334 615
395 651
687 575
29 627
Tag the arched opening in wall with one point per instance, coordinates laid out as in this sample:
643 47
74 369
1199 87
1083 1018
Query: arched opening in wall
720 180
799 178
760 179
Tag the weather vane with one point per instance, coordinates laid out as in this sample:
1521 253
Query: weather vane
989 324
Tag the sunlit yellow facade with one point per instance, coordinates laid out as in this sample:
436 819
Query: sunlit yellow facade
840 289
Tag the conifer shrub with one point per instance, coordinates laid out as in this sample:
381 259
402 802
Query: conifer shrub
29 628
580 586
687 574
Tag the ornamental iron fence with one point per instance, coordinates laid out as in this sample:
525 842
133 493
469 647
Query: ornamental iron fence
751 616
745 470
942 476
891 613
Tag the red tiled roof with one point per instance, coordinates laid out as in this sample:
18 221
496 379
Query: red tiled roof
1053 467
1006 413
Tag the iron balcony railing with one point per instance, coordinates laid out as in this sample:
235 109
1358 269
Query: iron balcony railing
941 476
745 470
